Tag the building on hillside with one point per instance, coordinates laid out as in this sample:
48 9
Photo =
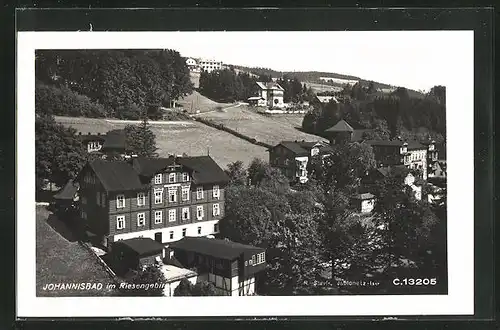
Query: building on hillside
339 81
230 266
191 62
210 65
398 171
136 253
268 94
411 154
363 202
164 199
113 142
325 99
92 142
292 157
66 199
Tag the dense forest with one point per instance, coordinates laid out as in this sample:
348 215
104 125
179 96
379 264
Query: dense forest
124 84
386 116
312 76
229 86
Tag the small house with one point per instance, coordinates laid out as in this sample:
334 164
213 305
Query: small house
269 94
363 203
136 253
230 266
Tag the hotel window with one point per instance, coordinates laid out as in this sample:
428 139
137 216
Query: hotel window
183 232
172 214
158 196
158 178
216 192
172 195
141 219
120 222
171 235
98 198
215 210
185 213
120 201
171 178
158 217
199 230
185 176
103 202
185 193
141 199
253 260
261 258
199 212
199 192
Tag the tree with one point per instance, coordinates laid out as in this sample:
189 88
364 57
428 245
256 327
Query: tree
302 202
51 100
439 94
256 171
344 167
118 79
201 288
295 260
204 288
252 214
150 275
183 289
407 222
237 174
59 155
141 139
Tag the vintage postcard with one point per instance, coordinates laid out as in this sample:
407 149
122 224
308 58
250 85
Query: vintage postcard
275 173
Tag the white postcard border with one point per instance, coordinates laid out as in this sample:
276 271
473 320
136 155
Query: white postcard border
460 170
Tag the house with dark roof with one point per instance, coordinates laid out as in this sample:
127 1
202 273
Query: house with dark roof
93 142
164 199
135 253
411 154
268 94
292 157
400 172
230 266
113 141
363 202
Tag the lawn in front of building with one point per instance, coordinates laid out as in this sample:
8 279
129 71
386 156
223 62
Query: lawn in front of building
60 259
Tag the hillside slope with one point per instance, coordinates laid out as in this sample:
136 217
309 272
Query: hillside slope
197 103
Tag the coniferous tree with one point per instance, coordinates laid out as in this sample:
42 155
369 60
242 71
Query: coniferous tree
141 140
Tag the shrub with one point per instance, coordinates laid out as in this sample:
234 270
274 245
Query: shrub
62 101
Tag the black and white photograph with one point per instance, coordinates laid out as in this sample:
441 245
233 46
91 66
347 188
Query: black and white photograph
256 165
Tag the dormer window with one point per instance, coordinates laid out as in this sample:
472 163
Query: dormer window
158 178
171 178
185 176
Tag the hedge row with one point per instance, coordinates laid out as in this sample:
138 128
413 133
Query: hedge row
232 131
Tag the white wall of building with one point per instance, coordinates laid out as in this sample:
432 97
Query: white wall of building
302 177
207 228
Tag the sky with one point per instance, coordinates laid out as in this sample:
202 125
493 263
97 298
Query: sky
414 59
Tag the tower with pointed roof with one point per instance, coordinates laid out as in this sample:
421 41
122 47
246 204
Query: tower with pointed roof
340 133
